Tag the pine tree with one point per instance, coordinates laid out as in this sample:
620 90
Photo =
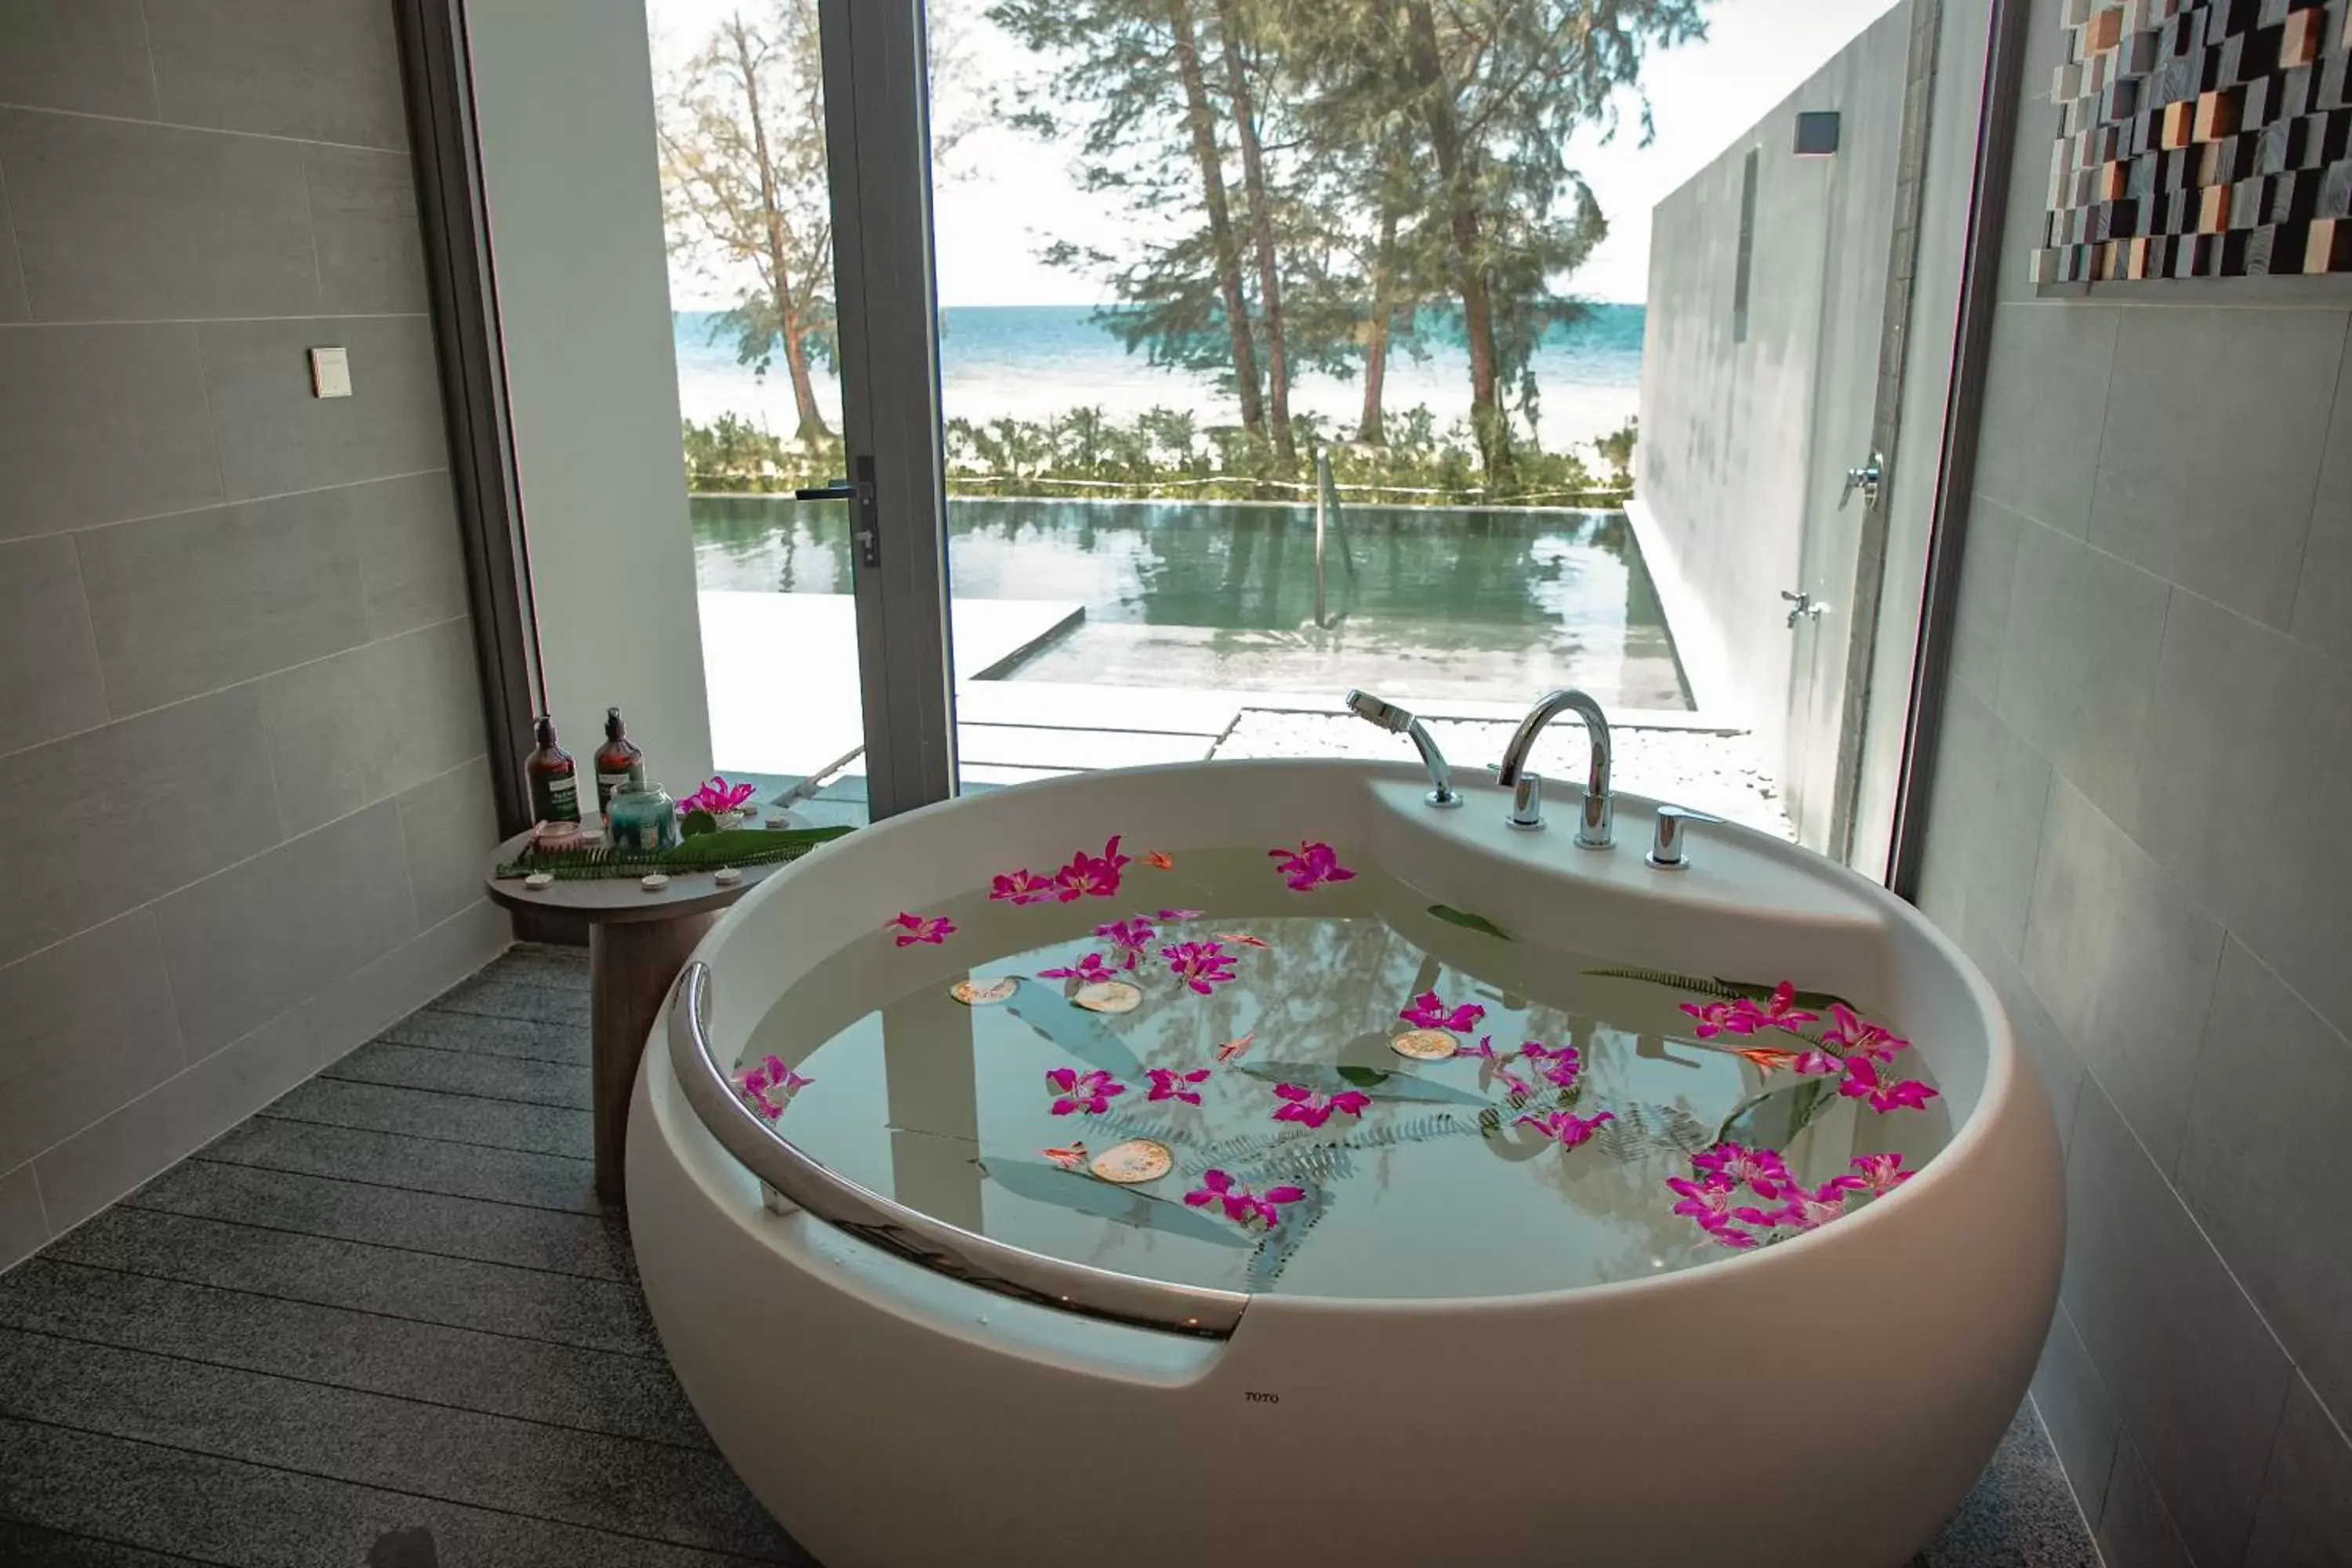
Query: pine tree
745 183
1132 79
1491 92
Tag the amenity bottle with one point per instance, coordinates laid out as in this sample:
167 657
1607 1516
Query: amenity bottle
554 781
619 764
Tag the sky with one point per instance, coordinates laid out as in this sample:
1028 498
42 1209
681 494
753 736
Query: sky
1013 193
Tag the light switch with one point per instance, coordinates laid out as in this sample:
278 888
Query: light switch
330 373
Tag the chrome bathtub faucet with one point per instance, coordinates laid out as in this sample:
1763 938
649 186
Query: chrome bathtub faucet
1595 825
1397 722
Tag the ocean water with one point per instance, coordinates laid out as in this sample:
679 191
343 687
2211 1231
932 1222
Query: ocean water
1028 361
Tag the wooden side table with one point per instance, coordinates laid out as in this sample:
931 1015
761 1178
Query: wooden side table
638 942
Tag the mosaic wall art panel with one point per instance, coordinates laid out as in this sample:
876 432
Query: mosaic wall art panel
2200 139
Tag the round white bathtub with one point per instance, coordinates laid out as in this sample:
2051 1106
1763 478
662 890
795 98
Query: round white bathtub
900 1388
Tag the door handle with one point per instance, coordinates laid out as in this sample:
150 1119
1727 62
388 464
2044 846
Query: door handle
1866 479
861 495
1802 607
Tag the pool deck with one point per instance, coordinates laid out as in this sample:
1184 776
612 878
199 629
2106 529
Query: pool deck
782 671
785 711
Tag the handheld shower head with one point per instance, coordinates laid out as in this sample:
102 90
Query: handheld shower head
1397 722
1387 715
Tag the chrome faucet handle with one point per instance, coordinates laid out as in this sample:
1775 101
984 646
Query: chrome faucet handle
1526 802
1666 851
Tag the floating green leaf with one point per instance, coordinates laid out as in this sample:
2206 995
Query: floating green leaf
1082 1034
1045 1184
1469 921
695 823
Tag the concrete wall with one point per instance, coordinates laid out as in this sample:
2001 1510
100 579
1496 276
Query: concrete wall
1744 442
238 702
2136 830
564 97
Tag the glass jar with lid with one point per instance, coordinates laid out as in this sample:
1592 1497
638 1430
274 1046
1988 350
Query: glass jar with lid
642 819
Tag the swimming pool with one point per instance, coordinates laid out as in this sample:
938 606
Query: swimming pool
1426 603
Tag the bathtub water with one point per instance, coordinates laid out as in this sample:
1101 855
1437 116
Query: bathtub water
1441 1184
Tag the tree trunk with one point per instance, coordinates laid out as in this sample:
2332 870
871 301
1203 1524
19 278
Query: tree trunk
1487 417
1203 123
812 422
779 271
1261 218
1371 429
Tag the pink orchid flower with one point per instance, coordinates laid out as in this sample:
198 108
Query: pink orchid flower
1723 1232
1715 1017
1088 1091
771 1086
1779 1011
1232 1050
1310 866
1876 1173
1819 1063
1166 1083
1241 1205
717 795
1559 1065
912 928
1807 1209
1703 1197
1023 887
1073 1158
1303 1104
1426 1012
1742 1166
1861 1082
1497 1062
1202 965
1850 1032
1129 938
1089 971
1171 917
1090 876
1568 1127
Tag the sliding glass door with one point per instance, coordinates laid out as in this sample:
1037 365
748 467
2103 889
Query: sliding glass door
794 179
1151 372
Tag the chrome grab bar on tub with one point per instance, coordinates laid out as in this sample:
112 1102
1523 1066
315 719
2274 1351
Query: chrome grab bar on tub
948 1249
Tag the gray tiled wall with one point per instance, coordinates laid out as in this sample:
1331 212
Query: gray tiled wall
236 670
2136 832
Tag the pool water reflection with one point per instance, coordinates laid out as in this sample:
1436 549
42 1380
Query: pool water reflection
1421 602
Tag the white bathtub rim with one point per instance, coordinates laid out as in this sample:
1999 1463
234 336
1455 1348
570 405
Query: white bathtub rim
2010 1090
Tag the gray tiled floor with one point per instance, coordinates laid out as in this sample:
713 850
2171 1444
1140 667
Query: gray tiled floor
386 1323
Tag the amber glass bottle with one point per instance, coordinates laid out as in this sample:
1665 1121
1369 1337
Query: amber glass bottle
619 765
555 783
